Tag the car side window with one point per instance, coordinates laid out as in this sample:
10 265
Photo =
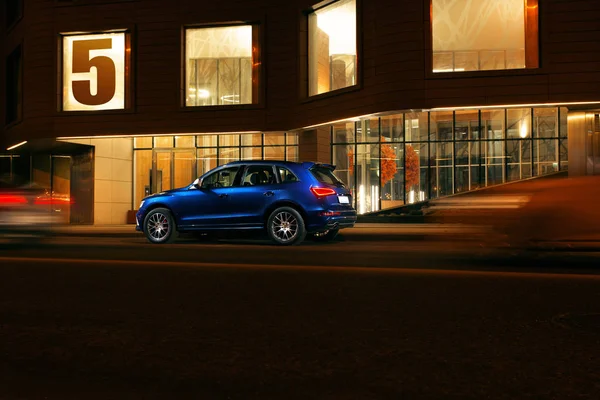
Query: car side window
219 179
286 175
259 175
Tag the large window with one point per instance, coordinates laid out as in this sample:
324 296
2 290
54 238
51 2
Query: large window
483 35
169 162
332 47
14 85
411 157
222 66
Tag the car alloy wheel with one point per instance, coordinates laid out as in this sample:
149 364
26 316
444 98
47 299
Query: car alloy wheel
286 226
159 226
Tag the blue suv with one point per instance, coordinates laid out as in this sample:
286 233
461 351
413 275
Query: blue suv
288 199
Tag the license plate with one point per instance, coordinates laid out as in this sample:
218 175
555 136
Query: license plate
344 199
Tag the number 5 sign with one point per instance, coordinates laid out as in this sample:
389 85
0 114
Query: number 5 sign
94 72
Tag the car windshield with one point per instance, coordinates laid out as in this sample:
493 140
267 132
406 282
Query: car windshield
325 175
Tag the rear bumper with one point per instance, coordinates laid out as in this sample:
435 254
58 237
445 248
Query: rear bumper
320 223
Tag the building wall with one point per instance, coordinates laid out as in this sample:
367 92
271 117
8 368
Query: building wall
113 179
394 65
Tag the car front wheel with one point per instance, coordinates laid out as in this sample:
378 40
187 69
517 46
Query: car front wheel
159 226
285 226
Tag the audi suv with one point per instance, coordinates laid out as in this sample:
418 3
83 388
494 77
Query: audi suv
287 199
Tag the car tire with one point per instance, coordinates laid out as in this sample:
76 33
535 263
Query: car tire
159 226
326 236
285 227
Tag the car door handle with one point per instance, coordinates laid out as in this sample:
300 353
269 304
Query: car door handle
223 195
269 193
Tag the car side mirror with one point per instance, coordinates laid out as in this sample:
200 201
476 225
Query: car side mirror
197 183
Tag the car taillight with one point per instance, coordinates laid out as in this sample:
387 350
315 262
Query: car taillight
12 199
322 192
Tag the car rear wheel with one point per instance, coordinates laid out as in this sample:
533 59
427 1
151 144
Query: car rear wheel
159 226
286 226
326 236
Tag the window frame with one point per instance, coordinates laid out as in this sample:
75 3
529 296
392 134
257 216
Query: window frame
258 36
536 69
304 59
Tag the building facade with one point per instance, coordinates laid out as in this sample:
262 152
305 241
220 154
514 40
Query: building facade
108 101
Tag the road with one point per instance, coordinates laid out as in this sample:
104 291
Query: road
116 318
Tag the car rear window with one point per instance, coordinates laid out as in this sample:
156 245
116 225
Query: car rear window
325 175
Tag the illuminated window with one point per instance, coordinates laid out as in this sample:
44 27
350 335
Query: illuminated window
484 35
332 47
222 66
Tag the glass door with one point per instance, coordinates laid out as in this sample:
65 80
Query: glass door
173 169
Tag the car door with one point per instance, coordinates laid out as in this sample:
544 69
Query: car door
208 206
257 191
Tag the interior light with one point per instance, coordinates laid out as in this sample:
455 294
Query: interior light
339 23
524 130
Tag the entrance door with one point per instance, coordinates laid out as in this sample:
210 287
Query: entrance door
173 169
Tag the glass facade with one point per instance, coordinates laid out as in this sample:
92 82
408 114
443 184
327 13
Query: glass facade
406 158
222 65
484 35
168 162
332 47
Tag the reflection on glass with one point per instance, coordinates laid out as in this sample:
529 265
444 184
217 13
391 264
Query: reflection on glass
367 130
518 123
206 160
227 155
416 126
273 139
466 125
440 125
392 128
332 47
545 122
343 132
274 153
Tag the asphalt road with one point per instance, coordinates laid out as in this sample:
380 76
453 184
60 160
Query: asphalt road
98 318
